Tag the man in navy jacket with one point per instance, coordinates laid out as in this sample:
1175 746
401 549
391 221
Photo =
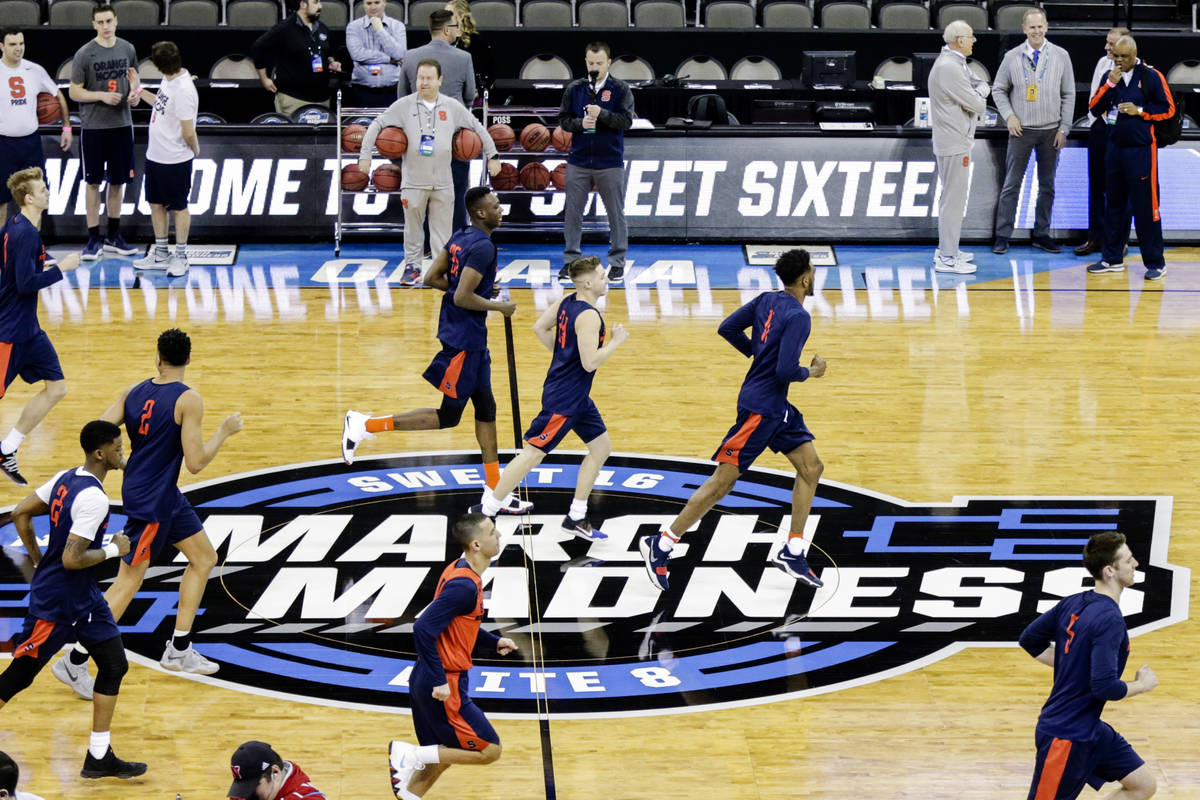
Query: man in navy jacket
596 110
1133 98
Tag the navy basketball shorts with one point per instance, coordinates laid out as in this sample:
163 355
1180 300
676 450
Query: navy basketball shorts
754 433
147 539
34 360
549 428
1064 766
169 185
458 374
107 153
41 639
18 153
457 722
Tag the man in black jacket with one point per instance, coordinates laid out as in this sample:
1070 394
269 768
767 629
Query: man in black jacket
1133 98
297 50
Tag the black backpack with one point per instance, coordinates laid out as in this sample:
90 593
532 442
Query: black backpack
710 107
1168 131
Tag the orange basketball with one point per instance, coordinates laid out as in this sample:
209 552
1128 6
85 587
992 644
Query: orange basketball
558 177
353 178
386 178
392 142
48 110
535 176
466 145
506 179
503 136
352 136
535 137
560 140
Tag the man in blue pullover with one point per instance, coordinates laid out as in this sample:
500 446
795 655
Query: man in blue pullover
596 110
1133 98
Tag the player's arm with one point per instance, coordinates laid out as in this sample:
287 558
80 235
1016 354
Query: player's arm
788 368
116 412
733 328
1038 637
456 598
587 333
544 327
22 517
22 256
82 95
466 297
1106 683
197 453
436 278
187 127
87 515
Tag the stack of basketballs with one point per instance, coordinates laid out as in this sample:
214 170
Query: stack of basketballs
391 143
533 175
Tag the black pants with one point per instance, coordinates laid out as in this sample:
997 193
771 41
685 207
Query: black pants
1132 181
367 97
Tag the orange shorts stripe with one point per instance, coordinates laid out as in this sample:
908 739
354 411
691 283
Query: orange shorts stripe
1053 769
5 357
552 428
1154 177
450 379
144 542
735 443
41 632
468 739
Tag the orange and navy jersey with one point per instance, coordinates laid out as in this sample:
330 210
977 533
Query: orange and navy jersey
568 385
446 632
779 330
23 274
1146 88
58 594
150 488
461 328
1091 646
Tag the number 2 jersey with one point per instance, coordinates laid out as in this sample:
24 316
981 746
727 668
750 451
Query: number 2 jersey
1091 646
156 450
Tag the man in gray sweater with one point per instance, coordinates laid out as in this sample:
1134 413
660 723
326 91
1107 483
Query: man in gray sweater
1034 92
955 103
429 120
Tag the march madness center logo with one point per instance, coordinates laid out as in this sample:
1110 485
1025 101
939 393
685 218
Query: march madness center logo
323 567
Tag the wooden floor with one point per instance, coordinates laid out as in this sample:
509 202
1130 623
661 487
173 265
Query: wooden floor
1059 384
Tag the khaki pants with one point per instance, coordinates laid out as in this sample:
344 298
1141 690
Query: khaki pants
439 204
286 104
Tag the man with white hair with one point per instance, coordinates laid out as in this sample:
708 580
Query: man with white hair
956 99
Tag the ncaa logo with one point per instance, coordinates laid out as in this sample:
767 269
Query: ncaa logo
324 567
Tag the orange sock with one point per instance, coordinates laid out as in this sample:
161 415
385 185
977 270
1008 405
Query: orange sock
377 424
491 473
795 535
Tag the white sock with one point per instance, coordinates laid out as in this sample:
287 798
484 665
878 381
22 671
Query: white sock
12 441
578 509
795 545
160 248
491 506
428 754
181 249
98 744
665 542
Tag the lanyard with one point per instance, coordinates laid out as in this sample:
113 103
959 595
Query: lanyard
422 110
1035 75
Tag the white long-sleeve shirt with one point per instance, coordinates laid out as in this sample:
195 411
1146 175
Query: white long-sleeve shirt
416 119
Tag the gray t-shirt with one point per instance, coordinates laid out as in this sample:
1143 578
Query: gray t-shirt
103 69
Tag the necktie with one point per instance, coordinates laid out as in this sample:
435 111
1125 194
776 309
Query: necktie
1036 53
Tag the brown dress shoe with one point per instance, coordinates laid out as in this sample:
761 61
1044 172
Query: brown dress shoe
1087 248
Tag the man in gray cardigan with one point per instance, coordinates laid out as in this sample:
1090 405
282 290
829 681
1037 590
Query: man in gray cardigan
429 120
955 103
1034 91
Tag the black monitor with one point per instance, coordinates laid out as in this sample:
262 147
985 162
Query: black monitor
922 63
829 69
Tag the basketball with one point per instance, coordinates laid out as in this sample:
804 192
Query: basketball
467 144
506 178
353 178
386 178
503 136
48 110
559 177
560 140
392 142
535 176
352 136
535 137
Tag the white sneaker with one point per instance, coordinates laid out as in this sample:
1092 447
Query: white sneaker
152 261
963 255
177 265
76 677
943 264
402 763
187 661
515 505
354 431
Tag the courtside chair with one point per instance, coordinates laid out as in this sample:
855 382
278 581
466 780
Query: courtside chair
786 14
844 14
335 14
24 13
71 13
1186 72
728 14
971 13
901 15
492 14
193 14
138 13
631 68
547 14
419 11
897 69
701 68
234 67
603 14
252 14
659 14
545 66
755 68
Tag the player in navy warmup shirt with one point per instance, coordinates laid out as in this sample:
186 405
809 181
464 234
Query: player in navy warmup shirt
450 727
163 417
1085 640
465 271
25 349
573 331
779 330
65 603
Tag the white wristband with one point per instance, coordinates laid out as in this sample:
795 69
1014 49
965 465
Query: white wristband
111 550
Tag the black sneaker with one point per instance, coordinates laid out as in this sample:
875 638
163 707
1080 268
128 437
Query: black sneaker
110 767
8 465
616 274
564 275
582 529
